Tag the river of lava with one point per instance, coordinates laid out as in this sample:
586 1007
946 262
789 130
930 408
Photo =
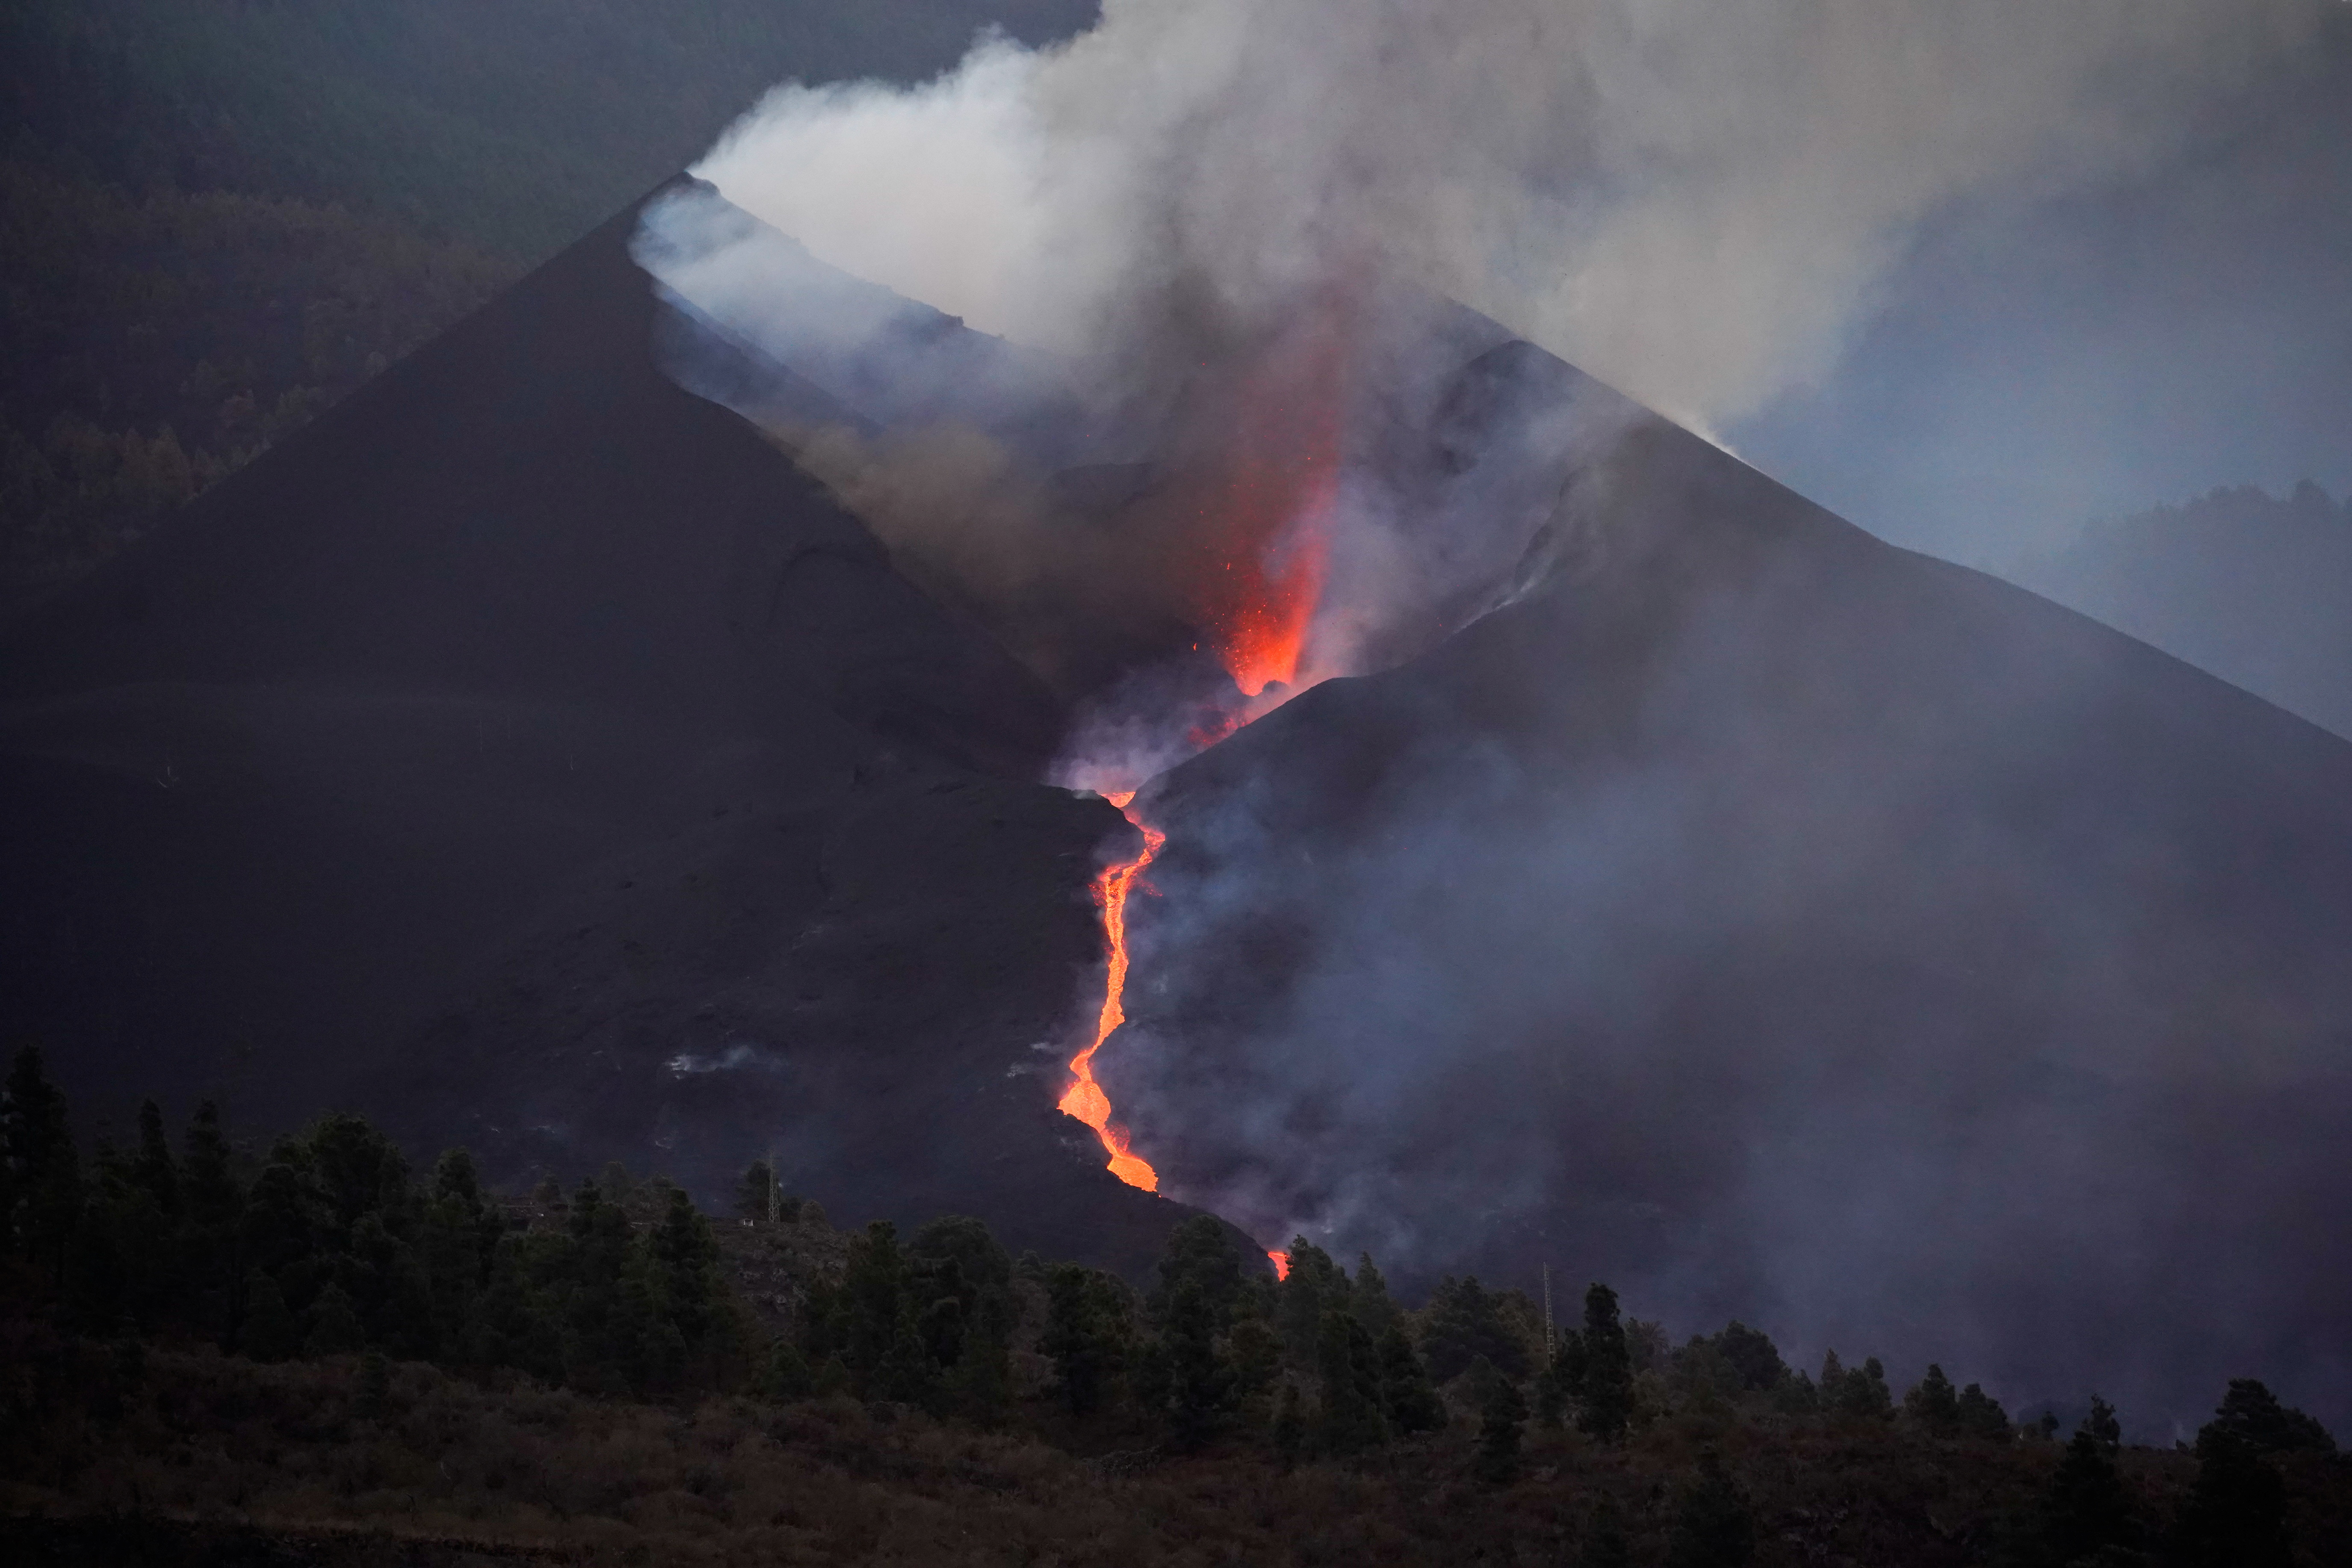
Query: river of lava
1085 1098
1260 520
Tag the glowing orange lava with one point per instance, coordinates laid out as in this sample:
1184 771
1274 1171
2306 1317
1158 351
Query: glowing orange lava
1085 1098
1262 509
1281 1264
1265 519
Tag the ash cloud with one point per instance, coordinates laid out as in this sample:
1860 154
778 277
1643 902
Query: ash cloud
1692 202
1698 204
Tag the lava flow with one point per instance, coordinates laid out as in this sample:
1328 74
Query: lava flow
1260 515
1085 1098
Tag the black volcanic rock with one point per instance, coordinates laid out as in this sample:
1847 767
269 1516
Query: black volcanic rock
1780 924
527 754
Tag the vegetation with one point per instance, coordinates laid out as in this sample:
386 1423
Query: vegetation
311 1342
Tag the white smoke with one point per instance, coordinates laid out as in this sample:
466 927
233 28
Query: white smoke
1693 200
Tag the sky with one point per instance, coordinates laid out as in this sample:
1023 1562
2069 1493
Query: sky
2038 364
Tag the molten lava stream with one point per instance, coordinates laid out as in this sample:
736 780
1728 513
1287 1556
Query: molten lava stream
1085 1098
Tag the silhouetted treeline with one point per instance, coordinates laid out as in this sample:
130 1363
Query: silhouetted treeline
330 1245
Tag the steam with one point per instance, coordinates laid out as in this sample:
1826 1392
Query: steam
1694 202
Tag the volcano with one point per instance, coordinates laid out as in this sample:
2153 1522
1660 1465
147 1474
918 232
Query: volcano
527 754
1769 920
1779 923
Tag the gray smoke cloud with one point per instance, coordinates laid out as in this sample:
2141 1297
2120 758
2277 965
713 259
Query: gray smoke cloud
1692 201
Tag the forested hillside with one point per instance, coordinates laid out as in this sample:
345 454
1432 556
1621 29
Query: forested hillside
214 1352
2254 588
218 216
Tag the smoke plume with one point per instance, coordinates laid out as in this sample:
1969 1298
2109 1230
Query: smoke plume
1694 202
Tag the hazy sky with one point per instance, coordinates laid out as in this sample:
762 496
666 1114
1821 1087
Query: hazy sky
2038 364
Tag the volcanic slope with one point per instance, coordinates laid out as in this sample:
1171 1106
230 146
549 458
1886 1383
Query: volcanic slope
1775 922
530 755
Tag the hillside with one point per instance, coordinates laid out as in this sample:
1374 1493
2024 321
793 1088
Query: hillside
217 1355
1794 927
217 219
525 752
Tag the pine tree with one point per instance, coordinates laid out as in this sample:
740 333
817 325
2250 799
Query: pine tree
1463 1322
1201 1392
456 1249
1200 1252
1313 1284
334 1325
787 1376
208 1178
1502 1417
268 1331
1934 1403
1369 1300
1551 1393
354 1169
1713 1525
606 1315
1982 1416
1860 1391
1085 1335
874 1302
969 1325
1607 1402
2086 1510
1407 1395
157 1174
44 1174
1753 1355
755 1193
686 1271
1289 1428
1348 1365
282 1222
2250 1413
2236 1517
1256 1350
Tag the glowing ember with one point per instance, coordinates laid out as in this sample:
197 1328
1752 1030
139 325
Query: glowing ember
1281 1264
1085 1098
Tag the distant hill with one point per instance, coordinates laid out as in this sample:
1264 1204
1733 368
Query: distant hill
2254 589
217 219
